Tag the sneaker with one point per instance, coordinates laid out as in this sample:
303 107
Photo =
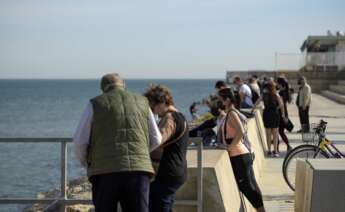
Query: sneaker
269 153
275 154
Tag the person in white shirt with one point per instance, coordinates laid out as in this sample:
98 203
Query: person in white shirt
113 141
244 92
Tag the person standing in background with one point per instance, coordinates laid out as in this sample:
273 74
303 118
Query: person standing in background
254 88
284 93
271 116
244 92
303 102
193 111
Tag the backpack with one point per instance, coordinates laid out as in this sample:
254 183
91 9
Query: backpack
255 95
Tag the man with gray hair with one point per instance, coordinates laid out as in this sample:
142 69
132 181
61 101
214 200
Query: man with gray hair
113 142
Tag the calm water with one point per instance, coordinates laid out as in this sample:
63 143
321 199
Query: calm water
52 108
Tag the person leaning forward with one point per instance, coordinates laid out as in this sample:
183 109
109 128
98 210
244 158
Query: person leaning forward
113 141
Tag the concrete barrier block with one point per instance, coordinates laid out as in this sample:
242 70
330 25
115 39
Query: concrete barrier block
261 129
220 188
323 188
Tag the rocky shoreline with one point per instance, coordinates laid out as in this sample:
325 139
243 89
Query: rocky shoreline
77 189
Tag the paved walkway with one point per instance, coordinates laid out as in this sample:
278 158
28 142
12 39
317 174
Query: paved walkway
277 195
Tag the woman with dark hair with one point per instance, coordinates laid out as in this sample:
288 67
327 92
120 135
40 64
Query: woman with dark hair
232 133
271 116
172 169
284 93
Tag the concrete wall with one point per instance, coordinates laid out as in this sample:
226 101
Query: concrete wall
320 185
220 188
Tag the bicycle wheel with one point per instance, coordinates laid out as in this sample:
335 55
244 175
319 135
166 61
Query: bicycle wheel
291 152
304 152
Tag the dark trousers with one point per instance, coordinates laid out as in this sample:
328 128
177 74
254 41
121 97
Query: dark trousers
242 165
304 118
130 189
283 135
162 196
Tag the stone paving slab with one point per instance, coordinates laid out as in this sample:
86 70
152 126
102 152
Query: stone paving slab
277 195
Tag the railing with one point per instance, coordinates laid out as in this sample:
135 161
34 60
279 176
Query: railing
63 200
296 61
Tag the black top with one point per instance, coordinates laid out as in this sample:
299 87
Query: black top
173 165
270 102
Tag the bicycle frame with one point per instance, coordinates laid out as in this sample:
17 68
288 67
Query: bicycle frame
325 144
331 148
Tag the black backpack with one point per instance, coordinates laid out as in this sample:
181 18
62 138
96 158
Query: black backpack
255 95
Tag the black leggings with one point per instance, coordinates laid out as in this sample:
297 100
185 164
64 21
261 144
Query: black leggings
242 166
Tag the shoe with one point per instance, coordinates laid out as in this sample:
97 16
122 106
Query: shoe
269 153
275 154
299 131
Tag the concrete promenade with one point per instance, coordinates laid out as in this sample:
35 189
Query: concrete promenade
277 195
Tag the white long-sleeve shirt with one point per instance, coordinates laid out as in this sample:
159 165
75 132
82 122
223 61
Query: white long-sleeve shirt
81 136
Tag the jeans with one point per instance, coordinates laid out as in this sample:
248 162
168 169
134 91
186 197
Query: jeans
131 189
162 196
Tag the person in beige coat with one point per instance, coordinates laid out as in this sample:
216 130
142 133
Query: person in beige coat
303 102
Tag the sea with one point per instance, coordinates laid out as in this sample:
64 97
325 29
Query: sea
52 108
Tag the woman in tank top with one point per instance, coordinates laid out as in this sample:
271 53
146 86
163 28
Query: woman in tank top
240 156
172 169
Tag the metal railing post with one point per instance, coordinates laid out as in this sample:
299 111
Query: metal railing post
200 178
63 180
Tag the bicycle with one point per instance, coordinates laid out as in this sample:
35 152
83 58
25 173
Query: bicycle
321 148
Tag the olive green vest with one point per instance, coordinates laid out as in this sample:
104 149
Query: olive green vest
119 134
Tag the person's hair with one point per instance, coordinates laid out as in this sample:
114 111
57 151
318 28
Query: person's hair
271 87
255 76
157 94
251 80
227 93
110 81
237 79
220 105
219 84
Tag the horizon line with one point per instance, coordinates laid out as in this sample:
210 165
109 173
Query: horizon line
100 78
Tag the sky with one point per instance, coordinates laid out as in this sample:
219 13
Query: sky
156 39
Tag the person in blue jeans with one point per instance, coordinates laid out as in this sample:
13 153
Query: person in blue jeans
172 169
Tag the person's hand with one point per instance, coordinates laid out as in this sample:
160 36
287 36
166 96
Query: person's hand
286 120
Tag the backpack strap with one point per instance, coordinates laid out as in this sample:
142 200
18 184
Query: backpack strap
245 139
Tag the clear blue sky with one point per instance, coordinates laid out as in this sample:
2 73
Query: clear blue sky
155 39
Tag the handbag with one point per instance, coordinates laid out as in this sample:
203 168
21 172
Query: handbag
289 126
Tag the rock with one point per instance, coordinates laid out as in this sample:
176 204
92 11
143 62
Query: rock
77 189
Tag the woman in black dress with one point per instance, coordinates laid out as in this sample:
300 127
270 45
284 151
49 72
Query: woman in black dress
284 93
271 116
